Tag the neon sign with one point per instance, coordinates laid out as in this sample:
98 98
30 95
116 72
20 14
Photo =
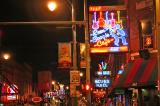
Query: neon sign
102 69
103 73
108 30
102 66
102 82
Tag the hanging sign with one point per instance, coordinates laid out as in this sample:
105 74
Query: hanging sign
64 55
83 61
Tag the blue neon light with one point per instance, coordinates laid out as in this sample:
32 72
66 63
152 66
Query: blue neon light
102 82
101 73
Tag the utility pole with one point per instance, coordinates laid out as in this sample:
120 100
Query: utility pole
74 68
74 36
87 50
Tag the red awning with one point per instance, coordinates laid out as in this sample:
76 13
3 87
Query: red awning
140 72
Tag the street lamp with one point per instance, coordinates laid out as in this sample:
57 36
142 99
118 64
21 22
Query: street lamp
67 87
81 74
53 82
51 5
6 56
53 85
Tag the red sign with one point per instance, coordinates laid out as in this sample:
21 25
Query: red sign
36 99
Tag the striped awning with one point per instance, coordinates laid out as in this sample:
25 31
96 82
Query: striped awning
140 72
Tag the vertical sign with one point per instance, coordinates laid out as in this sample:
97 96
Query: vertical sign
74 82
64 55
83 55
74 77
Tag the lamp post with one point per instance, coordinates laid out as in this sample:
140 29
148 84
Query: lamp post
86 43
87 49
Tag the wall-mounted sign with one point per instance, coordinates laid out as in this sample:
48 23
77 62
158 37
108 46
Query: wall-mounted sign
102 83
108 32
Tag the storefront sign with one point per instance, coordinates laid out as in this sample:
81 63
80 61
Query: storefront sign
102 82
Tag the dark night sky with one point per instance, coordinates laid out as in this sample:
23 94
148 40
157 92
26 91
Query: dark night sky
32 43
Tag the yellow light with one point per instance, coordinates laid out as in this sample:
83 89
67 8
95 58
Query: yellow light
67 87
53 82
81 74
6 56
87 87
51 5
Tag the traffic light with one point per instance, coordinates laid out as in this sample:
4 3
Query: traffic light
148 42
87 87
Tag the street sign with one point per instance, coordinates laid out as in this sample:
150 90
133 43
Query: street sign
75 77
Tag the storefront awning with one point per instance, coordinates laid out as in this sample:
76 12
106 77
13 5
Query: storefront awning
140 72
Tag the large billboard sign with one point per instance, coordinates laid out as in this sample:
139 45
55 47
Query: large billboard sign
108 30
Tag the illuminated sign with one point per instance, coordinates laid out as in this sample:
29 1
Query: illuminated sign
101 73
102 69
102 82
12 97
12 92
108 32
36 99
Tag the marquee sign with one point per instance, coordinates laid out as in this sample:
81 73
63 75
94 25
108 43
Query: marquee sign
108 32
